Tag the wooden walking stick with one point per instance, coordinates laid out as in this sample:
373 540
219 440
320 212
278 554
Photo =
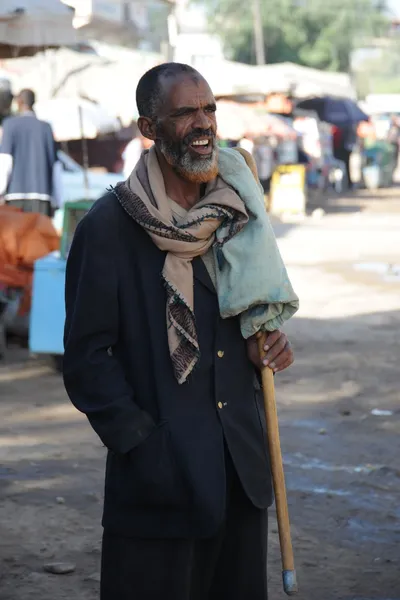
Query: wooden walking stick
288 570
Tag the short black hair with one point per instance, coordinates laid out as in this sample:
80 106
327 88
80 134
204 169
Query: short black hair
27 97
148 91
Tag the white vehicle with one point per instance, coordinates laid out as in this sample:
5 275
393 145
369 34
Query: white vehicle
73 180
73 184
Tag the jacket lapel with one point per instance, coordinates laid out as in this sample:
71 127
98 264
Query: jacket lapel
201 274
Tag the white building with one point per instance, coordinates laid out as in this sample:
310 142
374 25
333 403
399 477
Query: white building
122 22
191 40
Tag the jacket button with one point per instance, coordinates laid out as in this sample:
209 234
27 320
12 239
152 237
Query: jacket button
220 353
219 404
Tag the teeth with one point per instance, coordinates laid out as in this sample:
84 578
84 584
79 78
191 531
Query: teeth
200 143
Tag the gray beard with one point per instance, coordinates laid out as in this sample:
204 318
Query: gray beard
185 163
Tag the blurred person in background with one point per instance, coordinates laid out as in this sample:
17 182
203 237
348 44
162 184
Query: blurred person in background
247 144
303 158
133 151
6 99
344 141
394 137
29 171
265 159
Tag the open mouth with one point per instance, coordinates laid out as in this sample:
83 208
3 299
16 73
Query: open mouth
203 146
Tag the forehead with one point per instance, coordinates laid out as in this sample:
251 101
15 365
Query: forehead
185 90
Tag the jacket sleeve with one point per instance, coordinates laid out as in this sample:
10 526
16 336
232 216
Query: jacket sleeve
93 377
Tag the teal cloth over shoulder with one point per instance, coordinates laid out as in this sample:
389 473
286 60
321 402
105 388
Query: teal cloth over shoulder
252 280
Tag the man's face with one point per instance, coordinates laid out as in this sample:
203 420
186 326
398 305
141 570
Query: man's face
186 127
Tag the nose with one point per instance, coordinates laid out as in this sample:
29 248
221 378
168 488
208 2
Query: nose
202 120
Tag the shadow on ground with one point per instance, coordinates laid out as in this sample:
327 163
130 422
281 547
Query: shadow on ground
341 461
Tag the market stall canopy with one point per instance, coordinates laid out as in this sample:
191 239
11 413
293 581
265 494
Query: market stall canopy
64 115
376 104
109 77
304 82
227 78
27 26
275 125
230 78
341 112
236 120
232 119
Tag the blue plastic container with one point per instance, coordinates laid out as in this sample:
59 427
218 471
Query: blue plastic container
48 311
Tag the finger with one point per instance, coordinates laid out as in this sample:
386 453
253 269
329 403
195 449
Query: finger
271 338
287 360
285 355
285 365
275 350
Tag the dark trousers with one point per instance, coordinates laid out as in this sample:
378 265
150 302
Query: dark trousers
345 155
230 566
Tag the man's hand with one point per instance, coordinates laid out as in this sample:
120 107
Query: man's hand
279 353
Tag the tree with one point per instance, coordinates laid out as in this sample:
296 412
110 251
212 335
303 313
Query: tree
315 33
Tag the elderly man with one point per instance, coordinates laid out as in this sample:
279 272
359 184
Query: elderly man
161 297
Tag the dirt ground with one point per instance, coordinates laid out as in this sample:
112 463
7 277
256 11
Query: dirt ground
342 462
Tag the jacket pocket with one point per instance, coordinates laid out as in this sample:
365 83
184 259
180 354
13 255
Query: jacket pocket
148 475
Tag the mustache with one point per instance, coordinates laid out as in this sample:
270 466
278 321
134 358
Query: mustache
196 133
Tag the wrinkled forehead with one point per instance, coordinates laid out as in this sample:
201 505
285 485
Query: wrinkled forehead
186 90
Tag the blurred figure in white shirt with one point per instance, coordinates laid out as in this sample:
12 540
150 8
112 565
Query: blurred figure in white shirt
131 155
134 150
247 144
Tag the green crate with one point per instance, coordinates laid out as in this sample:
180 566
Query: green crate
73 213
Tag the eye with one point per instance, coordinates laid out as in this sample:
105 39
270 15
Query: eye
183 112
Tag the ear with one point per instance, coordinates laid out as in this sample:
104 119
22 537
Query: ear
147 128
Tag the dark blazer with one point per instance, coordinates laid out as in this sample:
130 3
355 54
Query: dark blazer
165 474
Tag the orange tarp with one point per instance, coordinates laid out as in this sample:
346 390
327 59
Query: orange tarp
24 238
